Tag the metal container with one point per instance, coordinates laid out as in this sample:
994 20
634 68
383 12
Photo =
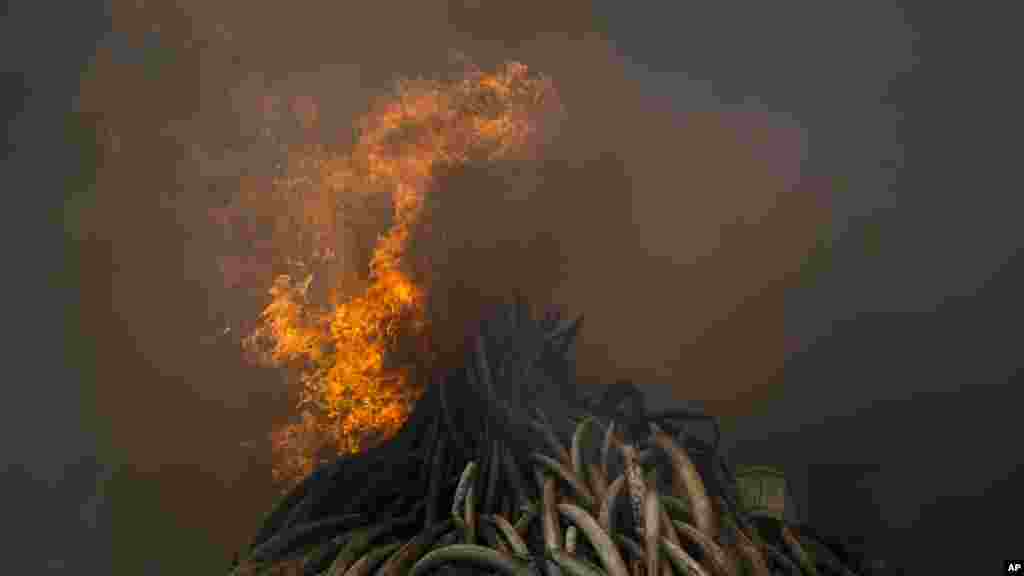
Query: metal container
762 490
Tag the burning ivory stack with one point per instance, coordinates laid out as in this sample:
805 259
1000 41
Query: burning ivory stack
502 468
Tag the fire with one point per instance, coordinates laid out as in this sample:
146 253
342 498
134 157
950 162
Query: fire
353 393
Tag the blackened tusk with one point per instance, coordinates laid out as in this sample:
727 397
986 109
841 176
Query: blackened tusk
426 452
301 512
492 478
289 541
279 516
660 417
522 311
609 436
436 476
507 504
484 368
510 319
543 425
565 329
519 495
323 558
563 336
449 417
483 459
784 562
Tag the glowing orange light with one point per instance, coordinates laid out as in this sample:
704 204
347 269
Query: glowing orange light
351 392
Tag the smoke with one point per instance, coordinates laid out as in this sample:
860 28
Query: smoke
673 230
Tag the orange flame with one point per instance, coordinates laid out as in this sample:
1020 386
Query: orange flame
351 396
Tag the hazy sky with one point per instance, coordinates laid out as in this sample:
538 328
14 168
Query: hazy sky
840 274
